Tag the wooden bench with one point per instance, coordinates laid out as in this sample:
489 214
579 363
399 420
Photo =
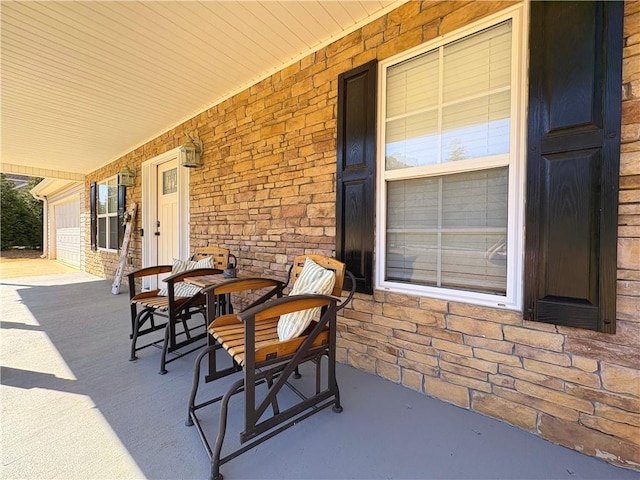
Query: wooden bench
252 340
151 312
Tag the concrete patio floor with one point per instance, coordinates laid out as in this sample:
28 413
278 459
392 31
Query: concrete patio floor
74 407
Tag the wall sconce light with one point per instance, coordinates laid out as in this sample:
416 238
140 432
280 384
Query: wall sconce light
191 152
126 177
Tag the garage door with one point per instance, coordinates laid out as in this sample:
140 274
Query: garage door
67 232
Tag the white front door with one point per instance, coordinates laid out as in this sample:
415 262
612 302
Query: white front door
165 213
166 231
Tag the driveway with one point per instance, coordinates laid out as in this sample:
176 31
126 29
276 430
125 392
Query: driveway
27 263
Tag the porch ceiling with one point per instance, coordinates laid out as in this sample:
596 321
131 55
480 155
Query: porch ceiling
85 82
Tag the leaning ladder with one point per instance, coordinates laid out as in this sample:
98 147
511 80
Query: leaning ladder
129 219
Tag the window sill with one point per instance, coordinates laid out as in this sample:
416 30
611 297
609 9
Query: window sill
460 296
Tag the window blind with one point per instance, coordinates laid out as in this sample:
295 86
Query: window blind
449 231
452 103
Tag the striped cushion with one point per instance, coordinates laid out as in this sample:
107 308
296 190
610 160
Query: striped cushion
315 280
183 289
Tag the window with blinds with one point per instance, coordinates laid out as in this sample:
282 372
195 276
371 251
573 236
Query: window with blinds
446 172
108 214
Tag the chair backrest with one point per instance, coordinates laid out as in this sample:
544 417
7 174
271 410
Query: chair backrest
326 262
220 255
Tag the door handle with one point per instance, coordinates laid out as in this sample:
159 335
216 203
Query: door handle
157 234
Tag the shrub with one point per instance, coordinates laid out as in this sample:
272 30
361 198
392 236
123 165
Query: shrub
20 215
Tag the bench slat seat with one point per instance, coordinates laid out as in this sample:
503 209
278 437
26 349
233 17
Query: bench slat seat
158 303
267 344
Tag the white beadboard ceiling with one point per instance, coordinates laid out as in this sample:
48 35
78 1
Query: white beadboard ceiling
85 82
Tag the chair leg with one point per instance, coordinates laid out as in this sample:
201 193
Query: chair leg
196 382
136 331
337 407
331 367
165 347
296 373
134 314
333 382
222 429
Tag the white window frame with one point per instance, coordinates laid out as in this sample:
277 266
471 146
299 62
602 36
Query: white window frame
105 215
517 155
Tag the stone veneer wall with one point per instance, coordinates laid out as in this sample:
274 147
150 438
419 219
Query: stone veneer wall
267 191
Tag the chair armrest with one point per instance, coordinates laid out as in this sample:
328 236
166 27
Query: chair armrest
351 292
155 270
245 285
144 272
280 306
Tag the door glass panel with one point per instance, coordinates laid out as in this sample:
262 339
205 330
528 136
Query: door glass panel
170 181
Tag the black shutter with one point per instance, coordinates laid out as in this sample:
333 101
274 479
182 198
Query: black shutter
356 168
122 201
93 190
573 163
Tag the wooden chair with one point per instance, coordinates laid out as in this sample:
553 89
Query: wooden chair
251 339
172 309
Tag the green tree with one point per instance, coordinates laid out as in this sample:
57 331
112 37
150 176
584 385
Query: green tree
20 215
392 163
